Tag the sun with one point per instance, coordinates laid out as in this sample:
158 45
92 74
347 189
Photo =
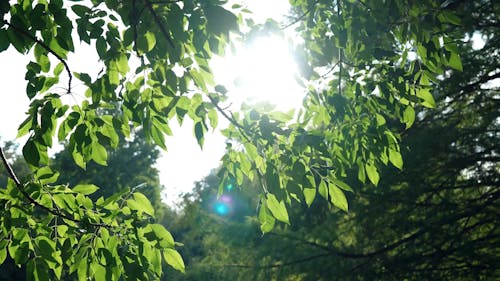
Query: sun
262 71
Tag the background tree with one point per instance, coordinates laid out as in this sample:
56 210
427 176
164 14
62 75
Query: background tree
130 166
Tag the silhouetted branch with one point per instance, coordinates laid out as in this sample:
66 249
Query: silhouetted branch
46 47
275 265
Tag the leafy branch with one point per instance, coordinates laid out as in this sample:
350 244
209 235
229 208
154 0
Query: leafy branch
20 187
47 48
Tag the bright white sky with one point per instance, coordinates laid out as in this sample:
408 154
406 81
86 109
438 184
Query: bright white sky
266 69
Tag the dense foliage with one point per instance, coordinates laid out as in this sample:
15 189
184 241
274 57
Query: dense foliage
117 175
435 220
366 66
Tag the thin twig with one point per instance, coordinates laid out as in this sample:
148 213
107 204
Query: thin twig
230 119
301 16
46 47
340 55
330 70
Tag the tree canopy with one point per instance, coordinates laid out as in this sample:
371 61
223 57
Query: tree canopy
366 66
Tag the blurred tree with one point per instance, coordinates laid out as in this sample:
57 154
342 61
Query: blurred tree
130 165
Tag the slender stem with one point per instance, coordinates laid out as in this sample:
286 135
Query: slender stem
8 167
230 119
340 54
46 47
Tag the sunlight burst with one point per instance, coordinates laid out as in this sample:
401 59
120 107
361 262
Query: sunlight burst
263 71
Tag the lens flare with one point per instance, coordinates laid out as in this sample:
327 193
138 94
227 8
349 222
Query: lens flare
221 209
226 199
223 206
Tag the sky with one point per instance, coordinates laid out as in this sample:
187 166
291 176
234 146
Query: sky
266 67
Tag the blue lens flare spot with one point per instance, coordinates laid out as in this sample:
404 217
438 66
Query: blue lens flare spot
229 186
221 208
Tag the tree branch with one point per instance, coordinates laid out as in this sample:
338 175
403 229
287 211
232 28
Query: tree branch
20 187
46 47
157 19
229 118
275 265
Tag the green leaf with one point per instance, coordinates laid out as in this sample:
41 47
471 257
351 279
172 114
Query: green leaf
147 42
122 64
424 93
78 158
455 61
342 185
213 117
372 173
45 175
19 252
82 269
220 20
278 209
4 40
16 40
3 255
80 10
309 194
266 219
380 120
395 158
199 132
166 239
46 246
174 259
99 153
220 89
158 137
31 153
323 190
58 69
101 47
85 189
144 203
409 116
337 197
447 16
25 127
